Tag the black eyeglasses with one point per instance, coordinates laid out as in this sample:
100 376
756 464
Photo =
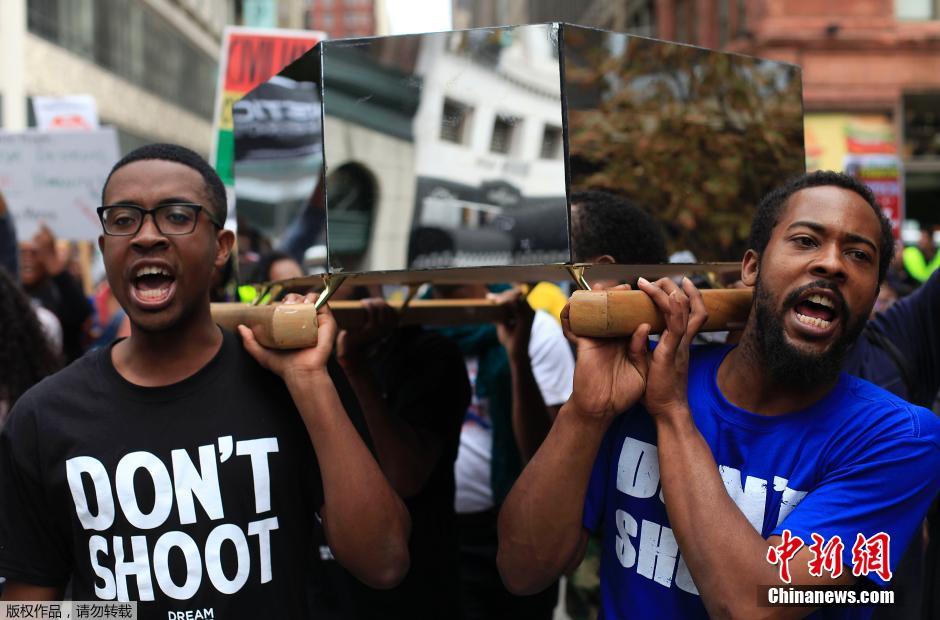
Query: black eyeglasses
170 219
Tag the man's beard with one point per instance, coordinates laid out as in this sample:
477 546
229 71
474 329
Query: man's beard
785 363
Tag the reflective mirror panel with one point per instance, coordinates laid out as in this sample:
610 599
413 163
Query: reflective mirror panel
278 163
445 150
695 137
449 149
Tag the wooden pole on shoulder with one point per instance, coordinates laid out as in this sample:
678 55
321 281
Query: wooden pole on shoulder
612 314
293 326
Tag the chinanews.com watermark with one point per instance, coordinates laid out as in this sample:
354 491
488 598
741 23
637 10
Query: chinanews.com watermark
870 556
816 596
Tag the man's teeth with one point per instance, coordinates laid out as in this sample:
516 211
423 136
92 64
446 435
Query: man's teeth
152 271
814 321
822 301
150 295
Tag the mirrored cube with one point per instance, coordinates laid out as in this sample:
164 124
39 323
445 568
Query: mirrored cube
466 148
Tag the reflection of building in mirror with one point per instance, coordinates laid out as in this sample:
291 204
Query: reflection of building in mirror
370 97
490 177
278 156
693 136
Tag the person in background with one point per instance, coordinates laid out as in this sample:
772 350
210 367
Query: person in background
26 354
899 350
412 385
606 229
277 265
46 279
922 259
520 371
9 256
271 266
110 321
611 229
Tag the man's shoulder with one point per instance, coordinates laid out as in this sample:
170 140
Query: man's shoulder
872 406
55 394
75 379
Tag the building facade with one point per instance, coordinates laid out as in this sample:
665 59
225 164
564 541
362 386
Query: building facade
343 18
871 72
143 61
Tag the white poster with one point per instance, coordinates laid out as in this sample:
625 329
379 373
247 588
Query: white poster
74 112
56 178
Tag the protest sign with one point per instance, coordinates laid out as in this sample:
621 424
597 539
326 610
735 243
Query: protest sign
56 178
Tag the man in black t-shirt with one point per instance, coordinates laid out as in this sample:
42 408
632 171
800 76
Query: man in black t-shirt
173 468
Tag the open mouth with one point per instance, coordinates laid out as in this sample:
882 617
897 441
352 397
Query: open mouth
817 311
153 285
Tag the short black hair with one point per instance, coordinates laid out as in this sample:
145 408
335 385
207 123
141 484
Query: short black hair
771 205
262 271
609 224
180 155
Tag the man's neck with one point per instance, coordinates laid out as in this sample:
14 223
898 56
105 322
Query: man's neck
154 359
744 381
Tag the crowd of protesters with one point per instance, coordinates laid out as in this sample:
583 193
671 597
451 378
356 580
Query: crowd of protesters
460 472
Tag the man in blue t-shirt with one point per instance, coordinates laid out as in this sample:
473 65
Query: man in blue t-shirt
726 455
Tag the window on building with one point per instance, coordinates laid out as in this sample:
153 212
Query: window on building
742 17
922 125
503 129
724 22
685 22
357 20
551 142
133 42
917 9
454 121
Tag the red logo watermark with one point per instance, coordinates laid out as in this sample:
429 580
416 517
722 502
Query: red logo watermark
784 552
869 555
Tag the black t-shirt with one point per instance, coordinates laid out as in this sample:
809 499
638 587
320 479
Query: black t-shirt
196 496
423 379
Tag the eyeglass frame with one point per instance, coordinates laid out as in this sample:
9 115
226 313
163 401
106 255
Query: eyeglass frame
197 208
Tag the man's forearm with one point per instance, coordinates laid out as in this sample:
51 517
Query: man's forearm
540 523
724 553
367 525
530 418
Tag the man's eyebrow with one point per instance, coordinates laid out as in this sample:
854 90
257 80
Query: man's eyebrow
855 237
175 200
819 228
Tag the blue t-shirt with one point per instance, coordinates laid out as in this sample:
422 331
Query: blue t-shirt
860 460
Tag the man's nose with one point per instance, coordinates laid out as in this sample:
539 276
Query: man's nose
829 262
149 235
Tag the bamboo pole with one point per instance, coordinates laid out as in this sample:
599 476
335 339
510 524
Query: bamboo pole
599 314
610 314
291 326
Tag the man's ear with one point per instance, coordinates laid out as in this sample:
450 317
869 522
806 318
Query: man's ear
225 239
101 243
750 266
